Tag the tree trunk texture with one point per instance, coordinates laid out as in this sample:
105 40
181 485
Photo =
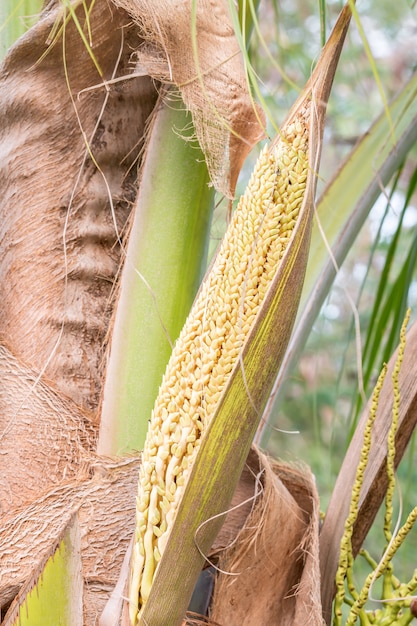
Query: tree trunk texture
63 210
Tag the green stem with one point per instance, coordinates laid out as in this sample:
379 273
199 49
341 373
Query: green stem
165 261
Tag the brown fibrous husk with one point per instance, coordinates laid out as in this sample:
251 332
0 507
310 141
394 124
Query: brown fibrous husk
211 77
105 504
45 438
193 619
269 574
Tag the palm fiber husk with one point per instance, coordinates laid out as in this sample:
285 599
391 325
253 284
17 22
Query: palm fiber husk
275 555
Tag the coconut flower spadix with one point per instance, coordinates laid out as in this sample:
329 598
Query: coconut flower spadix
212 340
223 364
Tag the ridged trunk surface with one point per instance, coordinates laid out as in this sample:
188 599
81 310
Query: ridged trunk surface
61 214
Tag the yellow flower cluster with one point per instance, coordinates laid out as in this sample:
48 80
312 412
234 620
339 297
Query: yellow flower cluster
211 342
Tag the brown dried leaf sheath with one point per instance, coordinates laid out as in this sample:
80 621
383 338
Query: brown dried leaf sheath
44 439
41 155
211 79
275 554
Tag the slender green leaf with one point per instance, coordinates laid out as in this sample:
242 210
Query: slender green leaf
247 18
68 5
322 10
347 200
390 303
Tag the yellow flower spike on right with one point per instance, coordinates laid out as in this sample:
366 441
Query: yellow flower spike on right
398 596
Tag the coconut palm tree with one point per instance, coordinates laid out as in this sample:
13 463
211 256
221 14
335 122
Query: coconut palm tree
114 119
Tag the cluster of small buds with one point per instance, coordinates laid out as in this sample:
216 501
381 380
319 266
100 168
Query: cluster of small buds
211 341
397 605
